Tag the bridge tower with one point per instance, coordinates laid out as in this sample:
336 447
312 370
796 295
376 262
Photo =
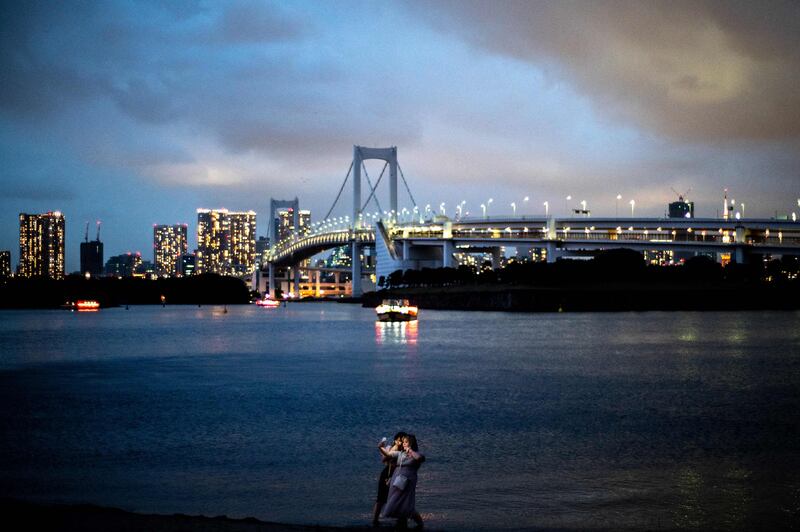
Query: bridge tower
361 154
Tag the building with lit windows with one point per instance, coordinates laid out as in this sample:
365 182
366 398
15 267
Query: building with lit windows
213 242
226 242
5 264
187 264
125 265
242 241
169 245
285 223
41 245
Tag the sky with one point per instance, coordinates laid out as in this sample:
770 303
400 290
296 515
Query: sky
139 113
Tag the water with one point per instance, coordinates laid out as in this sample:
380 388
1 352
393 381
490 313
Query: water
616 420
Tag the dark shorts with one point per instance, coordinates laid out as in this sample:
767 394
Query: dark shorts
383 485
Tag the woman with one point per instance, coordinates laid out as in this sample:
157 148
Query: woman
401 502
383 481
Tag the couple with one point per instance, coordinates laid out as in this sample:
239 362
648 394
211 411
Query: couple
397 484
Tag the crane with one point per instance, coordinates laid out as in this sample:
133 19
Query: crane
681 196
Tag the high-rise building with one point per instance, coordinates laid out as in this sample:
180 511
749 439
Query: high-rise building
243 241
92 258
262 247
5 264
226 241
213 241
92 254
285 223
41 245
169 245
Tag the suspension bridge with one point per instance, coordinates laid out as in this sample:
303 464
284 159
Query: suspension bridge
412 239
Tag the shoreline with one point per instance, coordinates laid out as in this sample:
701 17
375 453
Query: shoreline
617 297
94 518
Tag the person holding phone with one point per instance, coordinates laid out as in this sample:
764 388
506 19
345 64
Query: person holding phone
386 473
401 500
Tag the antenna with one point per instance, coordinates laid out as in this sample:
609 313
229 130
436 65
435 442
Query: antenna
98 230
86 236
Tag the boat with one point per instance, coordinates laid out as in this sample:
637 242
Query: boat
396 310
82 305
267 301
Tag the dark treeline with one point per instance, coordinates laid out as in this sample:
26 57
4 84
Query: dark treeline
616 280
610 267
110 291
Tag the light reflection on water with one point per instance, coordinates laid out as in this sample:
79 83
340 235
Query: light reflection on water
615 420
396 332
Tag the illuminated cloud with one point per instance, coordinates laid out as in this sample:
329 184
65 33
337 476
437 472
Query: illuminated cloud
699 71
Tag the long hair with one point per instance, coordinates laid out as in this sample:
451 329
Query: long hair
399 436
412 442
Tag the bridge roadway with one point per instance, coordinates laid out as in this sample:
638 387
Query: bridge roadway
679 234
432 243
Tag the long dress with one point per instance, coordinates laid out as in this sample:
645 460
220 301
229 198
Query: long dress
401 504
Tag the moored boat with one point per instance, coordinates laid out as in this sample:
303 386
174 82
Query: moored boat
396 310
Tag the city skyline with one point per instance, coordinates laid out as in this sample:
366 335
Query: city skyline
136 114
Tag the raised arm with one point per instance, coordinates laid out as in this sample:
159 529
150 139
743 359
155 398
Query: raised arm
388 453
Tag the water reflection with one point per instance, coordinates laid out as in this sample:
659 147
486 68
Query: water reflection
396 332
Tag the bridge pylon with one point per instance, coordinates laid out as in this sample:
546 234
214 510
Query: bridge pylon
361 154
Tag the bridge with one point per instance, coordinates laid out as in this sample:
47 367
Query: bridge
407 239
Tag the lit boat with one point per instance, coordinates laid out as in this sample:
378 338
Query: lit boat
267 301
396 310
82 305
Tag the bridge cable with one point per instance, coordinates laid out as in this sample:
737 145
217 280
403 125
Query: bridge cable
406 184
340 191
366 174
372 193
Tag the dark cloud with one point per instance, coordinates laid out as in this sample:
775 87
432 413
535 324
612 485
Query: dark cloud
36 191
255 22
690 70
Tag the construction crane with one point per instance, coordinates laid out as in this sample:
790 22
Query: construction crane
681 196
98 229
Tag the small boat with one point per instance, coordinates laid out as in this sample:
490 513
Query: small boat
267 301
396 310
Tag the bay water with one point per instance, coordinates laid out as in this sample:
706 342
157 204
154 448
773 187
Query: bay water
650 420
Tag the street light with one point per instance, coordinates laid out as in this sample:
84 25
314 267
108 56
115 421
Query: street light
513 208
524 201
546 209
633 205
583 207
566 204
484 209
489 203
616 211
441 208
742 204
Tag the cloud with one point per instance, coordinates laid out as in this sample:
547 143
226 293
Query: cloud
709 71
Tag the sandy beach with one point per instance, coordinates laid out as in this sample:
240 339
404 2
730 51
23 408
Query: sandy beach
91 518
